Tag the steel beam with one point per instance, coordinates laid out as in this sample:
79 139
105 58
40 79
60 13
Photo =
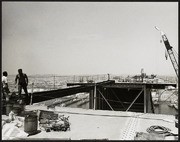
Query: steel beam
91 99
47 95
139 85
106 100
117 98
134 100
95 97
145 100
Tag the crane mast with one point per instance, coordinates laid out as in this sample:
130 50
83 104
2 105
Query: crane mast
170 51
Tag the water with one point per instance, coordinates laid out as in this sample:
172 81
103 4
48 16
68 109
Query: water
163 108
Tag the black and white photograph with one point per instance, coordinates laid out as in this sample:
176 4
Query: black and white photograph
74 70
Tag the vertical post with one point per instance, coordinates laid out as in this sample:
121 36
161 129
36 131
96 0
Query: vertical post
108 76
107 96
159 97
32 93
95 96
150 105
54 82
145 99
102 104
99 99
91 99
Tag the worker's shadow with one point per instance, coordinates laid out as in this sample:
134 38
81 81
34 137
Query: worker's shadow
37 132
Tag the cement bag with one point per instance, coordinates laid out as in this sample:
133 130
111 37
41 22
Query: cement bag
10 131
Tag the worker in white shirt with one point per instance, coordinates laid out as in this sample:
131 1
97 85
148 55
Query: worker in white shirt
5 88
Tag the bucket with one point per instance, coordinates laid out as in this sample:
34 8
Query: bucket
8 108
30 124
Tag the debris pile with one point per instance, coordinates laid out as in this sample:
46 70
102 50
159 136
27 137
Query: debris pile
50 121
62 124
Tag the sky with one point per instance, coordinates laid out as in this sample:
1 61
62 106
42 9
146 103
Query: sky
74 38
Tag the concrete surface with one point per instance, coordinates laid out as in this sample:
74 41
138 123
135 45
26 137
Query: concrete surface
100 124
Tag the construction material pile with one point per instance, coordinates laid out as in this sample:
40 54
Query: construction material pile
53 122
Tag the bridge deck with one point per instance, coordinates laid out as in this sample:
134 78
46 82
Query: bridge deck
100 124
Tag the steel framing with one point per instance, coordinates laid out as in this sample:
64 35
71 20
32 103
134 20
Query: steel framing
134 100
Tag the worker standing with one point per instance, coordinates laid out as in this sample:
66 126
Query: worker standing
22 81
5 88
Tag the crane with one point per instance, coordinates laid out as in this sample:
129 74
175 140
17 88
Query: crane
169 50
172 58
